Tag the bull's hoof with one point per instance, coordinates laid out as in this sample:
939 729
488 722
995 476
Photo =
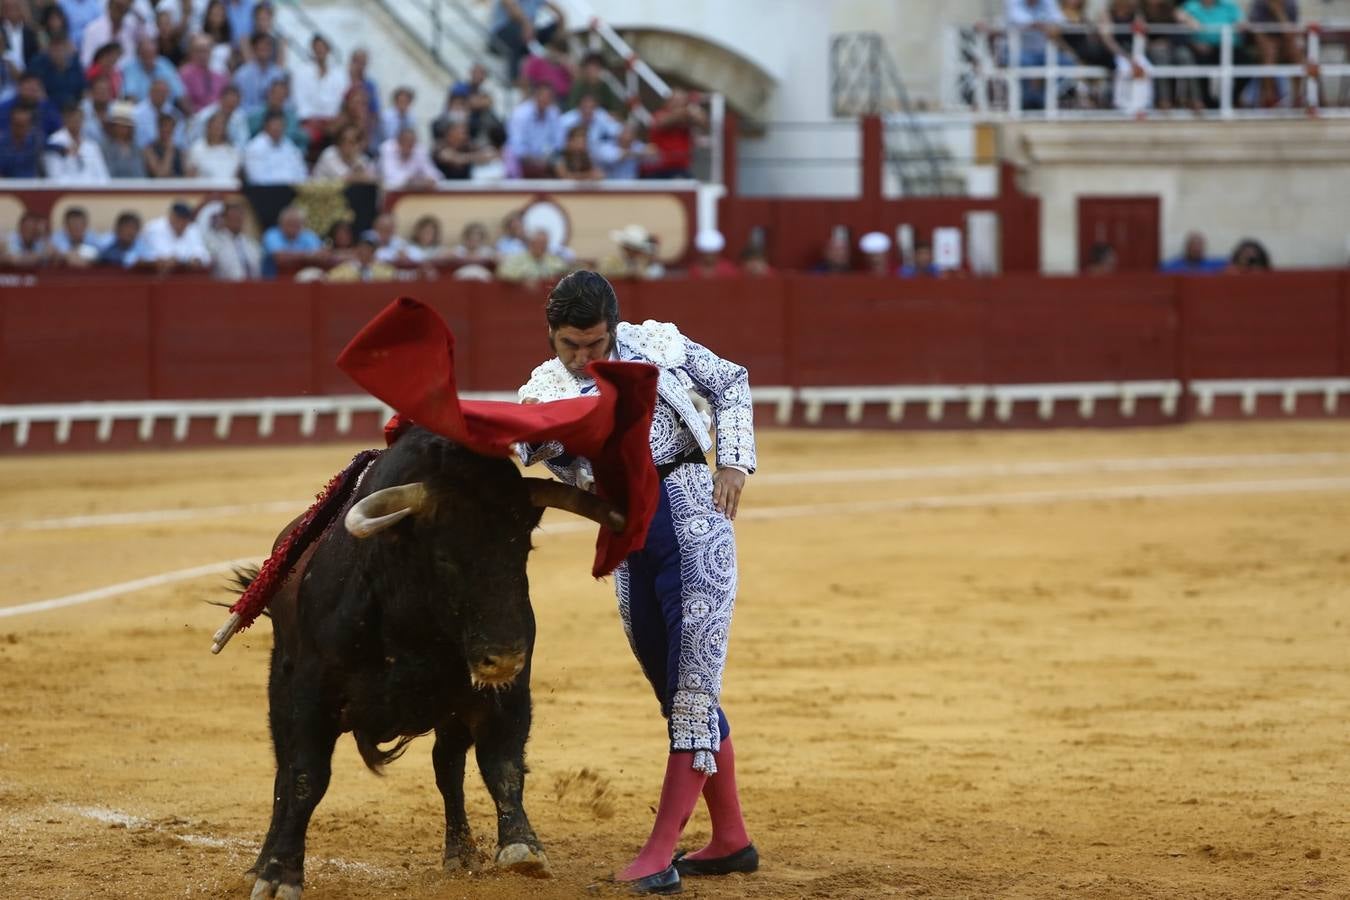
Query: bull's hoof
271 890
466 860
522 859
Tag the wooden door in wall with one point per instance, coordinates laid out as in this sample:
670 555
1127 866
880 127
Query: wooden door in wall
1132 226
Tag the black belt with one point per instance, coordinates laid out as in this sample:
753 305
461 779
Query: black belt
691 457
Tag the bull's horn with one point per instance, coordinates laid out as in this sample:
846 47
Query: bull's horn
385 508
544 492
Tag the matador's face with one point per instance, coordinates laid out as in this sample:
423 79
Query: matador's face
579 347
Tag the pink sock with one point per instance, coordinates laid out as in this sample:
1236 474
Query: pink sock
724 808
679 796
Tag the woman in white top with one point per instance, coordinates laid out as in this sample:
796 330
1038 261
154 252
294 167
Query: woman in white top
213 156
426 237
474 245
345 158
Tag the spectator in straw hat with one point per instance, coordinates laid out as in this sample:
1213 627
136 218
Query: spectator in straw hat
711 263
636 257
120 153
876 250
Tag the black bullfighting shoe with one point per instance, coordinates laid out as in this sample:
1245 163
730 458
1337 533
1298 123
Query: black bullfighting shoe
667 881
743 861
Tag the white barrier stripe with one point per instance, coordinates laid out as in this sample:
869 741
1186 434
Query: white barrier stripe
948 501
106 816
822 476
125 587
153 516
1056 467
1034 498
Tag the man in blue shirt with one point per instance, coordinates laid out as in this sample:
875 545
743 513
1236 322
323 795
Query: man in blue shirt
240 14
1038 26
20 146
80 13
254 77
33 97
513 28
126 248
59 68
74 242
147 67
534 133
601 127
923 265
1193 261
289 242
357 65
146 116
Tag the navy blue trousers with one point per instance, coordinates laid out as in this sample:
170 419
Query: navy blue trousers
656 608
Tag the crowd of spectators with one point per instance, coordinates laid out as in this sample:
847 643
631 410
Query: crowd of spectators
1177 33
97 90
878 255
215 239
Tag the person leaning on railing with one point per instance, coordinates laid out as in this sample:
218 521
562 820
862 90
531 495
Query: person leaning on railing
289 244
1038 23
513 28
1275 48
1208 18
345 159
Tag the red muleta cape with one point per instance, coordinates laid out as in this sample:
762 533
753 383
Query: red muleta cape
405 356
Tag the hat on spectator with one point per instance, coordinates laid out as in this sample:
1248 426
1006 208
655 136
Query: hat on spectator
369 237
181 209
874 242
634 237
710 240
461 90
122 112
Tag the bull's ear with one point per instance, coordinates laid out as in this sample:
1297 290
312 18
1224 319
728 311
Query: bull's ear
544 492
385 508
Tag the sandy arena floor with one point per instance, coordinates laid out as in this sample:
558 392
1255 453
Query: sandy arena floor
953 673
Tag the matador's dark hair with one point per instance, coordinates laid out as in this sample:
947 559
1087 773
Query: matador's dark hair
582 300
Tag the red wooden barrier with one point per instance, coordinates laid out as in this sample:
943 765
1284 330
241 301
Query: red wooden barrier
135 340
856 329
1081 329
1276 325
63 344
215 340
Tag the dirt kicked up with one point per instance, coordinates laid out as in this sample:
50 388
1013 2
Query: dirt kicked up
1078 664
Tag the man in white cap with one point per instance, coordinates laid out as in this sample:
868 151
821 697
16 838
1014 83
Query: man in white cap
876 249
636 257
710 263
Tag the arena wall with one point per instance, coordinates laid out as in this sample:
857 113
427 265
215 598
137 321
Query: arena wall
190 361
1286 185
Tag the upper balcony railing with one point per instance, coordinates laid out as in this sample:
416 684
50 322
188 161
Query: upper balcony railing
1145 70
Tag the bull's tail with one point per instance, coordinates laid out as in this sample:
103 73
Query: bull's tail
240 578
375 758
264 582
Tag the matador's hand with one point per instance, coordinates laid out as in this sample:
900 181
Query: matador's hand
727 486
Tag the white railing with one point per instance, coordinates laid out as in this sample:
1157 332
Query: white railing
985 75
946 405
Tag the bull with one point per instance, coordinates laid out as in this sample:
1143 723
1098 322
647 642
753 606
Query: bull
414 618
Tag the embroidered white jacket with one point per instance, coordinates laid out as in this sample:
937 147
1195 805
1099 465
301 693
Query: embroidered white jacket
691 376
